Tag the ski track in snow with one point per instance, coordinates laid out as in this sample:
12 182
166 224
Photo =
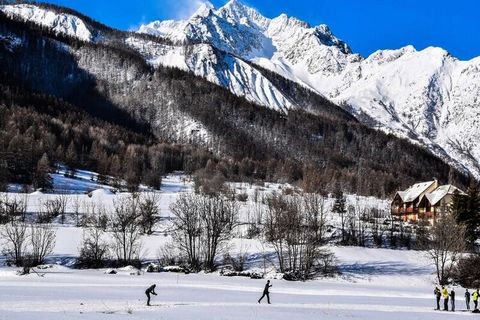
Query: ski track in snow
375 283
90 294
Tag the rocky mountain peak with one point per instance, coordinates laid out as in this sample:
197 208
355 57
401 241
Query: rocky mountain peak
205 9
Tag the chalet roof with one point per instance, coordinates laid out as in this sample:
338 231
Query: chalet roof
438 194
414 191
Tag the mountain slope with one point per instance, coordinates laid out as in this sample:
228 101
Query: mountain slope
59 22
324 148
426 96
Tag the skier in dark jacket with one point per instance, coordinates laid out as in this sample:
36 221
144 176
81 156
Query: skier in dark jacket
266 292
467 299
438 296
452 299
150 290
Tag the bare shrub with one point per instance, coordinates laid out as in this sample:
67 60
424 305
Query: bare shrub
210 183
238 260
447 241
42 242
15 236
167 255
12 209
328 263
52 208
95 250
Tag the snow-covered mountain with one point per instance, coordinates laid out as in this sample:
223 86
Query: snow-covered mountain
59 22
426 96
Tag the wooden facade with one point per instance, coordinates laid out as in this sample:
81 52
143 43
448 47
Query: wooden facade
425 200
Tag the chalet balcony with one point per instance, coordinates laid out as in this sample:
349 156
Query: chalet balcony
426 215
403 211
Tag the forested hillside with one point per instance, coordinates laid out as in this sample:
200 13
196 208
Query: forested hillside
117 94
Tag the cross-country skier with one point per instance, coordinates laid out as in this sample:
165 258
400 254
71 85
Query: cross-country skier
475 299
438 295
266 292
445 298
150 290
452 299
467 299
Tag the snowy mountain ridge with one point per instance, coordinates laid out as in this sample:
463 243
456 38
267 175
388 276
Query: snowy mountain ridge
427 96
60 22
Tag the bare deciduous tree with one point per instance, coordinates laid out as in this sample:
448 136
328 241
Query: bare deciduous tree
126 229
219 217
62 201
340 209
15 236
313 233
149 211
202 226
295 227
188 227
76 205
42 242
95 249
446 243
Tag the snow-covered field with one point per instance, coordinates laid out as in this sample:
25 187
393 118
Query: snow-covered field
375 283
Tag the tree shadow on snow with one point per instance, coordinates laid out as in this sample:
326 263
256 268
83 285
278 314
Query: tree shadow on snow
384 268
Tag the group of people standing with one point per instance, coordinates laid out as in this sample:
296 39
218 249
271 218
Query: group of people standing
450 296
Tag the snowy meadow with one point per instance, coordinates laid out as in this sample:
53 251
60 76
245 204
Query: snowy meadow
373 283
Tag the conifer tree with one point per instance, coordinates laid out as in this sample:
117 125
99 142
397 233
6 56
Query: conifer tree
466 210
339 207
42 177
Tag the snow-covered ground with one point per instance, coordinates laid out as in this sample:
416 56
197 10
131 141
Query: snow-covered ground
374 284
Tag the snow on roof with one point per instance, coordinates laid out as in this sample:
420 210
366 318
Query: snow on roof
414 191
438 194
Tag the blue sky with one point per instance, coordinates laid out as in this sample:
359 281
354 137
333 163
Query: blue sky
365 25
